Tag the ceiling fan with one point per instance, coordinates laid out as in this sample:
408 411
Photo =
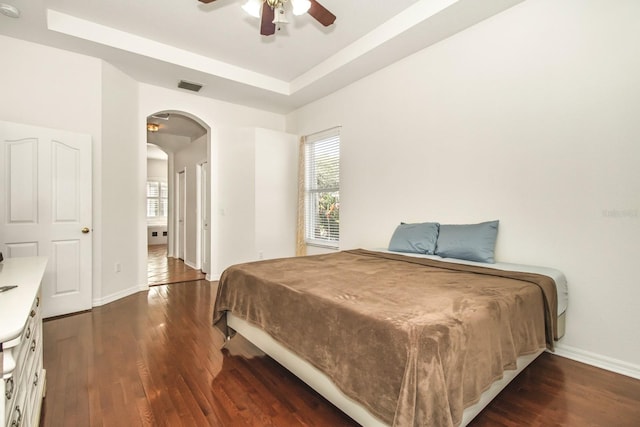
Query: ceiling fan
273 12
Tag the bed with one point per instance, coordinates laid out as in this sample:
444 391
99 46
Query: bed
395 339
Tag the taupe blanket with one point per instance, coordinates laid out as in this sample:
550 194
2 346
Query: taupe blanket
413 340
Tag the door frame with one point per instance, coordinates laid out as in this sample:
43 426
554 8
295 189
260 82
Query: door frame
181 195
202 175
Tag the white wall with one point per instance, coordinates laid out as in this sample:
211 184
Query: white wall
157 168
258 196
236 196
120 186
187 160
276 190
530 117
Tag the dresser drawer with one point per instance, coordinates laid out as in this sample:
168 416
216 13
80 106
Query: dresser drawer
17 411
23 378
23 387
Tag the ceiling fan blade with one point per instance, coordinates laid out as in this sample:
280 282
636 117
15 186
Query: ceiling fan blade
206 1
321 14
267 27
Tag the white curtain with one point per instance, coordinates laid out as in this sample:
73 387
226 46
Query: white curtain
301 246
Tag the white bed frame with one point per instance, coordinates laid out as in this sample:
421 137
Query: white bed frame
323 385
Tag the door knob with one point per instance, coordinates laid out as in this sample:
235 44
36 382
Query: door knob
85 230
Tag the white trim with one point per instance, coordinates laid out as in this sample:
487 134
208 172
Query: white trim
97 302
319 243
598 360
198 263
212 277
191 264
97 33
180 232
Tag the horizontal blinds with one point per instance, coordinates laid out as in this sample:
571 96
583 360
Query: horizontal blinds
322 187
153 189
157 199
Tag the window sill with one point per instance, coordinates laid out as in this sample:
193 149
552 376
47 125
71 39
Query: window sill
320 244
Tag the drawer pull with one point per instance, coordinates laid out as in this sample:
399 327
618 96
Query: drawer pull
8 393
33 345
33 313
35 382
17 421
28 334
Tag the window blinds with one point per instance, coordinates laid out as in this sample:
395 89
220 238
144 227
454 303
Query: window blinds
322 188
157 199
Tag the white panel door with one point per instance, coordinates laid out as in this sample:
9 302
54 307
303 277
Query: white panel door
45 209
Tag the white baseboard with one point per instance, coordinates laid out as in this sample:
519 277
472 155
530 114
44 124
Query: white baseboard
598 360
97 302
212 277
191 264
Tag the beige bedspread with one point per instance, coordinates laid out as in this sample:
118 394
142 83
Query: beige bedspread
413 340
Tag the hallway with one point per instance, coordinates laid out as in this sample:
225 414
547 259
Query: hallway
162 270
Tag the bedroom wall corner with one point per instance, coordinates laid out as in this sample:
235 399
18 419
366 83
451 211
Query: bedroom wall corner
529 117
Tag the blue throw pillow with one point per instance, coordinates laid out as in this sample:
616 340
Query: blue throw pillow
416 238
473 242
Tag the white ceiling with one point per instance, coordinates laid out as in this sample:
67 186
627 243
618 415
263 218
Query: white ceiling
163 41
156 153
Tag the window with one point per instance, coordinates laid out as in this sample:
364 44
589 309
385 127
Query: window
322 188
157 199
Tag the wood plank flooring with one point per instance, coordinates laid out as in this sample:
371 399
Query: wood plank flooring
153 359
162 270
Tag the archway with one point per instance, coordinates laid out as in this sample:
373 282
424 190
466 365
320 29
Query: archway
177 208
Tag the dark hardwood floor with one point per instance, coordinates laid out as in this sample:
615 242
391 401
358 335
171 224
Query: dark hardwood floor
162 270
153 359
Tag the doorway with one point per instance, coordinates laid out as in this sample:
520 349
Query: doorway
186 143
45 209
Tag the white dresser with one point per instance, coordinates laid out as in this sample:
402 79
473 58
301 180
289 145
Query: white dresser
23 383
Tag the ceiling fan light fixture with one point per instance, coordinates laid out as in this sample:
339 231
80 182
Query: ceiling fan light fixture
252 7
300 7
279 16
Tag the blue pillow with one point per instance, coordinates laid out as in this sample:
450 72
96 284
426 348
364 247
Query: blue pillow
473 242
416 238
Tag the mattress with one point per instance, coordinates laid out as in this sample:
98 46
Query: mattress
557 275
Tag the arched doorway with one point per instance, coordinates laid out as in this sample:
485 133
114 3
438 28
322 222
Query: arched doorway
177 200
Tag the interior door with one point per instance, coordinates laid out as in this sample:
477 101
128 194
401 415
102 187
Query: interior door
204 215
45 209
181 195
